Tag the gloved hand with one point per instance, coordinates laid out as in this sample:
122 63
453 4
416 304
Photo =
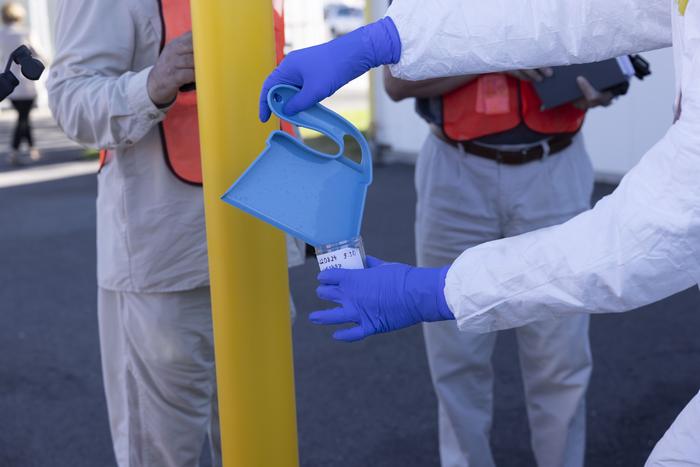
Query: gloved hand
383 298
321 70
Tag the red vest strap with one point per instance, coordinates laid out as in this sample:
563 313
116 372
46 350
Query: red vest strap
180 129
280 41
103 158
563 119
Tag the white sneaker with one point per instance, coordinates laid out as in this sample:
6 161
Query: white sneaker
34 154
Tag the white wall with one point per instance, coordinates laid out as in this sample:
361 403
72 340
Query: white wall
304 25
40 23
396 125
618 136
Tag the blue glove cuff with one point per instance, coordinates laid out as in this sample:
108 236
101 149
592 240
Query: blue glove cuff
425 290
385 41
443 307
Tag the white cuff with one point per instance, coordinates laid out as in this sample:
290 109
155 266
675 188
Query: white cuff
404 18
140 102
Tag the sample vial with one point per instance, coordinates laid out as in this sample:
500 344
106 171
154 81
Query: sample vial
349 254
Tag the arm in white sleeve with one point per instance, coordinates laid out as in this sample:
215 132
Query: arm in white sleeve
458 37
637 246
680 445
97 96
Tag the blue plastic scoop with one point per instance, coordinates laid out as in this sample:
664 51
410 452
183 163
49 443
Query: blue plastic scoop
317 197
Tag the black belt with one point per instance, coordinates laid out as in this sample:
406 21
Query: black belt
552 146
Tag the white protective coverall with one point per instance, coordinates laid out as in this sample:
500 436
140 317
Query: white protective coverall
638 245
153 300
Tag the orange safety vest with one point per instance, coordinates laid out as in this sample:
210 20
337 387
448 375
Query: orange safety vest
180 129
497 102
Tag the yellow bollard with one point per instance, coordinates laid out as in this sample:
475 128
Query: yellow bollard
234 50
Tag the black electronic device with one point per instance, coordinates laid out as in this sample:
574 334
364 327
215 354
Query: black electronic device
611 75
642 69
30 67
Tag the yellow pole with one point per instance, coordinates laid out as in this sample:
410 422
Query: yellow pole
234 50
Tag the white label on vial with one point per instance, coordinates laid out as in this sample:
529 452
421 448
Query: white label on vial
345 258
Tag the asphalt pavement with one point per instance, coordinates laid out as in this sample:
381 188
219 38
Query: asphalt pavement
363 404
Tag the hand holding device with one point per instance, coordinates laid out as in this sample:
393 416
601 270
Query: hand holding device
592 97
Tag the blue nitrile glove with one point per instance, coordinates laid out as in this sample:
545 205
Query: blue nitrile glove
321 70
383 298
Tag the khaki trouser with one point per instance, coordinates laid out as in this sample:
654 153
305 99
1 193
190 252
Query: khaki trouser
465 200
159 376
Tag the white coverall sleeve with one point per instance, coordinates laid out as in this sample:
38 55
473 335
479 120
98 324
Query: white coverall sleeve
637 246
93 99
680 445
456 37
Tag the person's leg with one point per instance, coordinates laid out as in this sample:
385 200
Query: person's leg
169 377
556 363
462 374
22 130
680 445
456 210
114 362
29 136
17 133
30 133
555 355
215 433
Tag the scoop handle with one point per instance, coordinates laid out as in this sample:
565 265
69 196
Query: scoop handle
323 120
